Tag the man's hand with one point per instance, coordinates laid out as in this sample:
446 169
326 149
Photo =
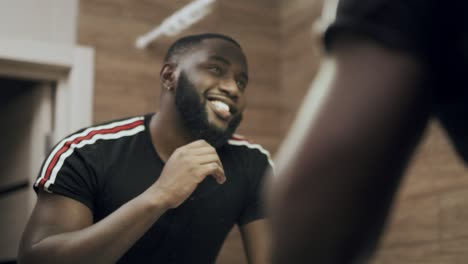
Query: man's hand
184 170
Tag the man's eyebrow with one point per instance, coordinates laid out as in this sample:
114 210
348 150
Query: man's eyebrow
219 58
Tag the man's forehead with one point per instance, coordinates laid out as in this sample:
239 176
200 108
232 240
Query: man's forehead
217 48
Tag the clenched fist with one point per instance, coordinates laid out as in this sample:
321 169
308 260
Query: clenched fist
184 170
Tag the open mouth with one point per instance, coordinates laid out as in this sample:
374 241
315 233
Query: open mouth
221 109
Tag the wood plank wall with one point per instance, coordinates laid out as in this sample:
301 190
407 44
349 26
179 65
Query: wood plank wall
430 217
300 53
429 220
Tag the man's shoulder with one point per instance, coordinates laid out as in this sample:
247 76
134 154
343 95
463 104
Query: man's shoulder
246 146
112 130
118 123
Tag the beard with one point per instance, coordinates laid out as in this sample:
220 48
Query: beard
192 108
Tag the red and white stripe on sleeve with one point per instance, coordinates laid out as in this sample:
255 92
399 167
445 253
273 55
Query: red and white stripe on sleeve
89 136
238 140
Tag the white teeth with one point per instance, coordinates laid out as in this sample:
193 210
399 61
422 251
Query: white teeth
220 105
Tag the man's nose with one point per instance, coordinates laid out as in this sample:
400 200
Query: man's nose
229 86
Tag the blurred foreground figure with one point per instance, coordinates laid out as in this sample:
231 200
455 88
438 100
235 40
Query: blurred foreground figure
390 65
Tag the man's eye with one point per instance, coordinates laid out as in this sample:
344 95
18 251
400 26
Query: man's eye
241 84
215 69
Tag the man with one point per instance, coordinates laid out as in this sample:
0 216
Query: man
160 188
390 66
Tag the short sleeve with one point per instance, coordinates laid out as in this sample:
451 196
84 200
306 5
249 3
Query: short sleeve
69 170
435 32
261 166
407 25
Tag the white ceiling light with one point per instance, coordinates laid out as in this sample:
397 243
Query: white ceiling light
180 20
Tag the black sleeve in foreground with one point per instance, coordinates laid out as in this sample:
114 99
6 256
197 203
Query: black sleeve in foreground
405 25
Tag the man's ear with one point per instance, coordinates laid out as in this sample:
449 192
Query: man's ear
168 75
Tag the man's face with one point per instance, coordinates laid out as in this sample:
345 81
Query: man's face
210 90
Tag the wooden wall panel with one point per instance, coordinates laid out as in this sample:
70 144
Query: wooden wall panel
300 54
430 209
410 225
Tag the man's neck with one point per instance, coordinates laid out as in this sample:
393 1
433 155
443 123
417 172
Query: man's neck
168 133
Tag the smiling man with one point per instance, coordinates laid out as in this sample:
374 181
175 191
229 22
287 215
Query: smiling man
159 188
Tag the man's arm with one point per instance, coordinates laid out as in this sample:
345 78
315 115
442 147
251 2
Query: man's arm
254 238
61 230
341 163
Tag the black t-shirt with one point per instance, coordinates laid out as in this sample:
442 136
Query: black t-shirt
107 165
433 31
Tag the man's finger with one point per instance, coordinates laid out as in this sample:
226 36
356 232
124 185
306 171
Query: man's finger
197 144
219 177
212 169
203 150
208 158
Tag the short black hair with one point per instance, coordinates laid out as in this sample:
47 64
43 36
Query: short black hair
184 44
